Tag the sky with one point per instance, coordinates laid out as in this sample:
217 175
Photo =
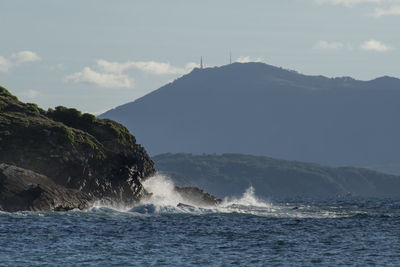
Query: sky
94 55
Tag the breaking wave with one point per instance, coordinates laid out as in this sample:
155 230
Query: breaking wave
165 199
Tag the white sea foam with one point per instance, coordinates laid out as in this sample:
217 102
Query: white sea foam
247 199
163 191
165 199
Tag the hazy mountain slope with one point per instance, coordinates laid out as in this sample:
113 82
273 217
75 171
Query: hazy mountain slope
231 174
255 108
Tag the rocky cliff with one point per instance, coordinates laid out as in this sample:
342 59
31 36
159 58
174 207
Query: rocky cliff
78 156
23 189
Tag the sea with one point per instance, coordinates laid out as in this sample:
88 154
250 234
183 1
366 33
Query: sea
167 230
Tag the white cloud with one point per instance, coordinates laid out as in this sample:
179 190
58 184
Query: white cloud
379 12
112 67
106 80
191 65
161 68
352 3
382 7
158 68
31 93
4 64
112 74
57 67
325 45
370 45
16 59
373 45
25 56
246 59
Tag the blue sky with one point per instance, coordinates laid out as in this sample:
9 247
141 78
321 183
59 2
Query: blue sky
98 54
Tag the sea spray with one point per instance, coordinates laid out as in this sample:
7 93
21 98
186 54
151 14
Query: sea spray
247 199
163 191
164 197
166 200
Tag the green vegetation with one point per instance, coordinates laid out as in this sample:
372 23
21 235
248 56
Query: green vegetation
5 92
68 116
56 131
101 129
3 105
97 157
231 174
10 103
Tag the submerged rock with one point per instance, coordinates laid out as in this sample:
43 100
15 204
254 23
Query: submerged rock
65 152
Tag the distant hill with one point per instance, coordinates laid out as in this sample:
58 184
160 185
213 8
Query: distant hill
231 174
255 108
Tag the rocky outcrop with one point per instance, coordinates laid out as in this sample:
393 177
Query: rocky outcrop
67 152
197 196
23 189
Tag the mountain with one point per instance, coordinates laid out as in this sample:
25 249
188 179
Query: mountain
255 108
231 174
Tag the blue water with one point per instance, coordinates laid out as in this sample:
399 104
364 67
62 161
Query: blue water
241 232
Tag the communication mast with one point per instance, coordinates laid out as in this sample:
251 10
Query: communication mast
201 62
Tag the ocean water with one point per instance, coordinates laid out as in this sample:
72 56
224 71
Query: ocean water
246 231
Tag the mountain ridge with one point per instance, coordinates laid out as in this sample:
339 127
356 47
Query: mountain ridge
288 71
231 174
255 108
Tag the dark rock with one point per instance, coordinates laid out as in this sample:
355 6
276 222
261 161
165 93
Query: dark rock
183 205
197 196
22 189
77 152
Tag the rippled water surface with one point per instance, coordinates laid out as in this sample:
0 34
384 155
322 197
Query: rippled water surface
244 232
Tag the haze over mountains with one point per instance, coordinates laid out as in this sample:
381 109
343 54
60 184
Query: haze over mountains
255 108
231 174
